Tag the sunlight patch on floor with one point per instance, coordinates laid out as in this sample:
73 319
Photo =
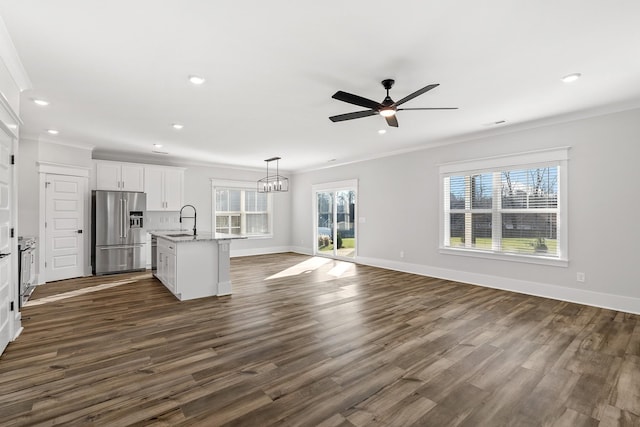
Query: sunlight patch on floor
337 268
75 293
304 267
341 269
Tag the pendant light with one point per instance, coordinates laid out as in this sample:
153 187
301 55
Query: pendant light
273 183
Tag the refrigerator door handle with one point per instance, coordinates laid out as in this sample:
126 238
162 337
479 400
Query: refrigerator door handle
123 235
121 218
124 218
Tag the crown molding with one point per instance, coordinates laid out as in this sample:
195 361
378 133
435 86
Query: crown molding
166 160
67 143
62 169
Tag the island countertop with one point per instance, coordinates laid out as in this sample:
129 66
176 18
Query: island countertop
187 236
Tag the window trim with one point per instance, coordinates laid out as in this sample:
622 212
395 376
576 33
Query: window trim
549 157
244 186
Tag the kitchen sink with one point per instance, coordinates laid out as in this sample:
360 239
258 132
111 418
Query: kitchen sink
180 235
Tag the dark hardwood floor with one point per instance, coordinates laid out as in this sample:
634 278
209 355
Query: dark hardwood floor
308 341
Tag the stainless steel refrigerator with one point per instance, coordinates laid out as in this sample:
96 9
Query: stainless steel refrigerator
118 233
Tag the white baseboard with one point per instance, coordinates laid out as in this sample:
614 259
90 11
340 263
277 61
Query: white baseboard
562 293
17 334
301 250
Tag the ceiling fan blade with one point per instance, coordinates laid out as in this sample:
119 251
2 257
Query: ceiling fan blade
355 115
434 108
392 121
356 100
417 93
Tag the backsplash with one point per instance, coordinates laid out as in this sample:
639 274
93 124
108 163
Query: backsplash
160 220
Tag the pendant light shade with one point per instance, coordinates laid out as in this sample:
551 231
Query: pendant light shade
273 183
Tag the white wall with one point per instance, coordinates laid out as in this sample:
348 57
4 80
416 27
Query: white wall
65 154
398 197
32 152
28 188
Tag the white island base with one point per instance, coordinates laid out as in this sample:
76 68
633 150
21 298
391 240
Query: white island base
194 267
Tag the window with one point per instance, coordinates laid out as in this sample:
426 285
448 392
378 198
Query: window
256 212
240 209
228 211
510 207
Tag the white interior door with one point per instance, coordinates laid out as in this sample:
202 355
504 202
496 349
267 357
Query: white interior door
5 241
64 227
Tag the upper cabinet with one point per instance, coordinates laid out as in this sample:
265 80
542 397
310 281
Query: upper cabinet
119 176
164 187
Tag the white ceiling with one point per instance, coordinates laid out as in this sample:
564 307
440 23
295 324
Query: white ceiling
115 72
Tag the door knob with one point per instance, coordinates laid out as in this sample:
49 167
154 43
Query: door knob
79 231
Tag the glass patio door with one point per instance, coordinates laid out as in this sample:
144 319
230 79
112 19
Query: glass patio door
335 223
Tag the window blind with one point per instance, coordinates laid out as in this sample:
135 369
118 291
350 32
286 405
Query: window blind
511 210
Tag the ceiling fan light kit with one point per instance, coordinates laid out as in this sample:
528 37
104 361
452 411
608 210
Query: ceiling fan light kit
273 183
387 108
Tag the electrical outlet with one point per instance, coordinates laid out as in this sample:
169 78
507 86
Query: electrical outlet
580 276
401 254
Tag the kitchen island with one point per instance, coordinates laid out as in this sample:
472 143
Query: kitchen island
194 266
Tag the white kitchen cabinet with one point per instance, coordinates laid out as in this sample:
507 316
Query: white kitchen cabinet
172 272
167 264
174 189
117 176
153 186
160 269
149 252
164 188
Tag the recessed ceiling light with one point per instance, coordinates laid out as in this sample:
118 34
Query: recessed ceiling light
382 131
53 131
157 145
571 77
41 102
196 80
177 126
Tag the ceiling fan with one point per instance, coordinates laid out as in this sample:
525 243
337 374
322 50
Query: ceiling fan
387 108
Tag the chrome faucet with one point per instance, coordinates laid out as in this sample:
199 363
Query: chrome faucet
194 217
